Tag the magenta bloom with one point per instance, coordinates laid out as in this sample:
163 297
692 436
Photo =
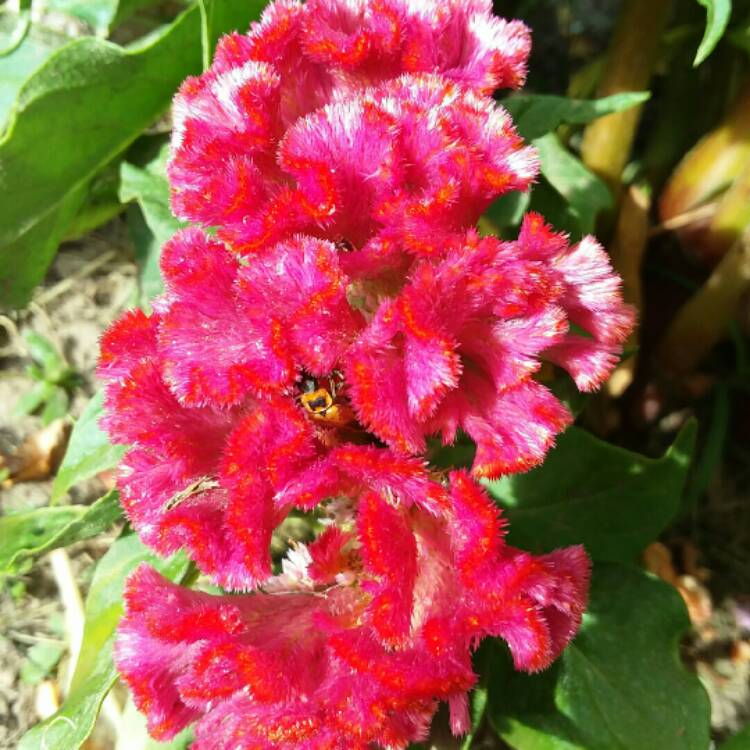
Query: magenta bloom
361 635
334 298
201 380
459 345
327 119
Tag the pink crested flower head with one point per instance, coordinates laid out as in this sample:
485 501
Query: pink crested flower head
362 633
206 392
333 308
459 345
355 121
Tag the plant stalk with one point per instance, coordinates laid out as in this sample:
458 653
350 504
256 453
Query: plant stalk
630 62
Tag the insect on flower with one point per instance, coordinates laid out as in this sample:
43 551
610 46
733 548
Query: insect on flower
321 403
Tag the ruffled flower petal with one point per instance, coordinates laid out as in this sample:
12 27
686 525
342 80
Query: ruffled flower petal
358 655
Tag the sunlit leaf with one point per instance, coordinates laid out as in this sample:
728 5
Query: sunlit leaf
40 661
618 686
22 50
590 492
45 167
538 114
89 450
101 15
95 672
149 187
32 533
717 18
34 398
585 193
56 405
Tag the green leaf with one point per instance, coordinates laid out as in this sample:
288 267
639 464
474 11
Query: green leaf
44 167
618 686
590 492
56 406
100 205
42 351
33 398
40 661
585 193
25 49
478 710
32 533
717 19
95 672
555 209
508 210
89 451
22 533
538 114
149 187
22 24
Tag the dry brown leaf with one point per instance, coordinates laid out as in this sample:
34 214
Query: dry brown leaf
38 457
697 599
657 559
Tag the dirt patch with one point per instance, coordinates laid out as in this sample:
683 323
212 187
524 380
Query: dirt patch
88 285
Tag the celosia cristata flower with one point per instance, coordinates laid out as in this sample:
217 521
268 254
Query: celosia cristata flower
338 157
359 637
459 345
220 452
258 154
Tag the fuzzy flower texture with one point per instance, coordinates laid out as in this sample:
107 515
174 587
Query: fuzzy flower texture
330 309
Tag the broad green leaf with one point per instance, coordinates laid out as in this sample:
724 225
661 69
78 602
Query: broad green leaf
717 18
590 492
95 672
22 56
24 261
89 451
538 114
149 187
32 533
44 166
22 532
618 686
585 193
